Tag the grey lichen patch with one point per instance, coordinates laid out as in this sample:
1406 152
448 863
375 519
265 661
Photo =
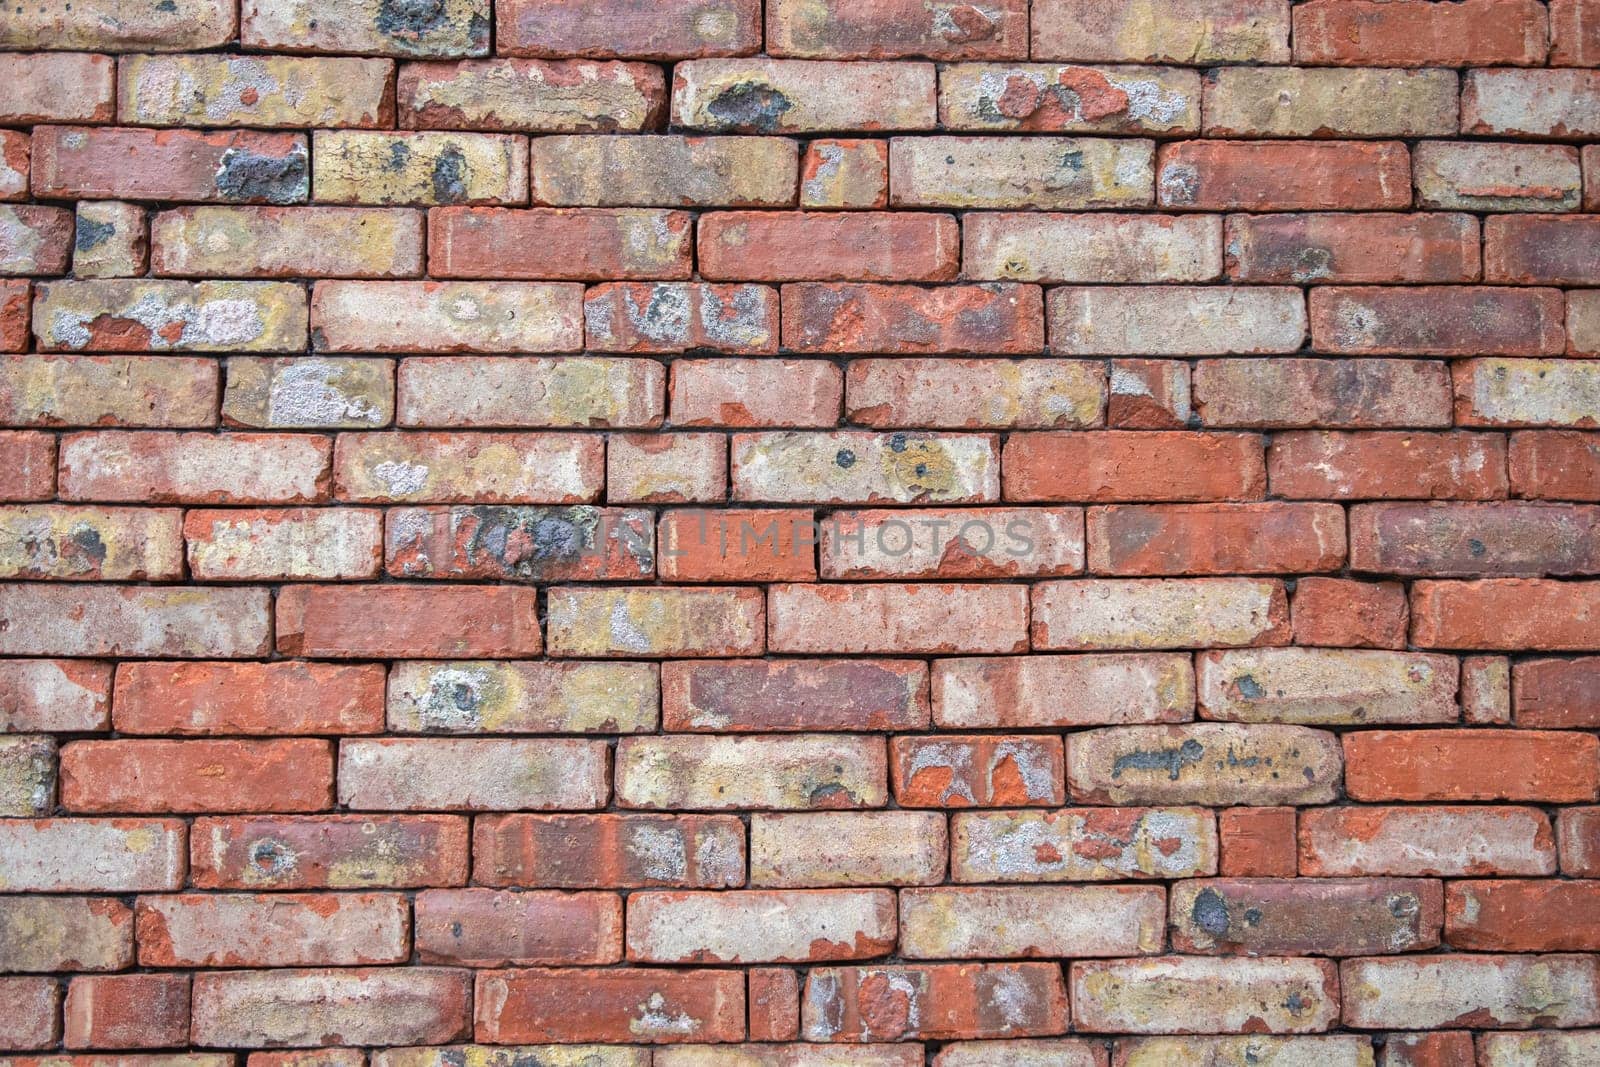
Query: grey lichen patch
1171 760
244 176
749 105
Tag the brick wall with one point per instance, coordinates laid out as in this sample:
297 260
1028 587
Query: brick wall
667 532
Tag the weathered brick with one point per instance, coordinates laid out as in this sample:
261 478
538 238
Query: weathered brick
1495 177
1257 842
487 697
1173 320
1510 614
273 930
1093 248
1541 249
1159 613
1433 1049
1447 765
307 393
361 167
1324 686
1223 996
1486 690
638 1005
935 1001
1512 1050
844 174
1051 98
34 1019
1016 921
227 166
328 852
975 393
410 774
802 96
15 152
345 622
608 622
1148 394
300 544
1504 992
27 776
1120 465
614 851
111 240
216 90
1583 323
894 319
14 299
1407 466
1083 844
980 543
351 316
1558 464
761 926
958 771
85 855
1312 102
898 618
1527 392
1549 104
159 776
1447 841
1284 176
56 87
43 933
126 1011
1046 173
664 171
755 393
345 1006
774 997
28 460
1340 393
539 96
490 928
1448 321
34 239
1204 763
162 620
1267 538
798 773
194 468
59 541
527 543
1499 916
140 315
734 545
1346 249
1271 917
111 26
840 848
482 468
283 242
448 28
672 468
539 243
676 316
507 1056
54 696
71 390
895 29
828 246
1574 41
637 29
746 696
1440 540
1026 691
1040 1052
1557 693
1419 34
1333 1050
566 392
1579 830
248 698
856 467
323 1057
1180 31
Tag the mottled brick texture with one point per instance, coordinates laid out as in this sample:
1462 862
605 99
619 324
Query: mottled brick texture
799 533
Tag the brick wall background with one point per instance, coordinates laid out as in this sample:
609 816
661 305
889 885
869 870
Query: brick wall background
420 425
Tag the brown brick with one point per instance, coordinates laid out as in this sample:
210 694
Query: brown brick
666 170
801 773
273 930
15 295
1446 321
85 856
133 391
1504 1050
1037 1052
1046 173
484 468
279 242
857 467
107 25
612 851
539 243
531 95
1148 394
409 317
56 87
637 1005
797 695
896 29
159 776
1332 1050
1178 31
802 96
111 241
133 621
1159 613
1284 176
634 29
490 928
1353 249
952 543
1082 844
216 90
1291 393
194 468
349 1006
840 848
671 468
1037 394
62 541
1313 102
1526 392
1282 995
1269 917
328 852
452 28
1541 249
1117 465
935 1001
1514 992
1496 177
406 621
567 392
1023 921
486 542
106 1011
27 776
1037 247
898 618
227 166
249 698
1267 538
1411 33
361 167
610 622
308 393
34 239
1432 841
1440 540
471 774
54 696
844 174
1054 98
299 544
34 1021
470 697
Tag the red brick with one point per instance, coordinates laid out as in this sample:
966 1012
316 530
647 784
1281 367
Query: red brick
959 771
1446 321
774 997
677 316
756 393
14 297
1341 613
28 460
490 543
1117 465
222 166
1284 176
828 246
54 696
1440 540
1557 694
995 317
898 618
1428 1050
249 698
532 95
1574 34
1090 248
1541 249
34 1021
633 29
127 1011
639 1005
737 545
1257 842
1509 614
415 622
197 776
807 96
1316 464
162 467
1452 765
539 243
761 926
1415 33
343 1006
273 930
1271 538
134 621
1523 916
1447 841
490 928
896 29
934 1002
1352 249
329 852
57 87
1579 830
797 695
1306 916
610 851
